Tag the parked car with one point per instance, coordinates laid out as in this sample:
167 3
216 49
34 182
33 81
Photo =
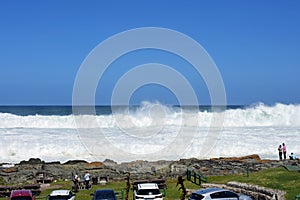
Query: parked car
105 194
147 191
21 195
217 193
61 195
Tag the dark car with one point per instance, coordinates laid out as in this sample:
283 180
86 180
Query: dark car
105 194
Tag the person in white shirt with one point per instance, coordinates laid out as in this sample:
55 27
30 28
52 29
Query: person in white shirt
292 156
87 178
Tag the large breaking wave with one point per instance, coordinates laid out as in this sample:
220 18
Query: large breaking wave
255 116
246 130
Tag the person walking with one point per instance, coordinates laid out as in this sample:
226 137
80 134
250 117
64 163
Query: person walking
284 151
280 152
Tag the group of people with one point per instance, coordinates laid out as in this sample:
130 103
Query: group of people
282 152
77 180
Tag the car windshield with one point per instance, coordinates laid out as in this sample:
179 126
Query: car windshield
21 198
59 198
148 192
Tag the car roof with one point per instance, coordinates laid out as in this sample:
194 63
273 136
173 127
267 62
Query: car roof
147 186
16 193
104 193
105 190
209 190
60 192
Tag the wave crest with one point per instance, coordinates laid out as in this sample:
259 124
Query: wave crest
153 114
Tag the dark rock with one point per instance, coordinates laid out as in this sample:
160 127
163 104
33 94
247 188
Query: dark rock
74 162
32 161
108 161
53 163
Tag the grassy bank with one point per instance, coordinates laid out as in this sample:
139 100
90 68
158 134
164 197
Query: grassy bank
276 178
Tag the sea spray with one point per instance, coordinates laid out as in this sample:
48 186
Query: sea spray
246 130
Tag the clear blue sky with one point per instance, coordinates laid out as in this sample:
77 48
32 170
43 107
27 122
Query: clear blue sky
254 43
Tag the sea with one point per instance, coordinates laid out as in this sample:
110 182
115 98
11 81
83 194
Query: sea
150 131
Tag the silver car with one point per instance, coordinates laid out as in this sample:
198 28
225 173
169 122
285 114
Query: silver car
61 195
217 193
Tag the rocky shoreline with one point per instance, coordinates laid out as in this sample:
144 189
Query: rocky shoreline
35 170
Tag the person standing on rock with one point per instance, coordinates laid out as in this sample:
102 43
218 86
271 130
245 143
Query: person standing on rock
87 178
280 152
284 151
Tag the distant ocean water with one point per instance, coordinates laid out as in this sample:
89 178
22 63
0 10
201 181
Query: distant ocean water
50 132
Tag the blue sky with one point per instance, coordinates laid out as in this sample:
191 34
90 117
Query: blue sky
255 45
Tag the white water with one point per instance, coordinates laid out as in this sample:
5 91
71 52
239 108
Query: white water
148 133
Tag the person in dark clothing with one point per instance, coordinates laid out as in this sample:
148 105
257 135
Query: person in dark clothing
280 152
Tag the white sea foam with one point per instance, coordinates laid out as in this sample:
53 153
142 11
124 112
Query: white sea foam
258 116
258 129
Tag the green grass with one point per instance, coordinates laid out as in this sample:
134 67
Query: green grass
276 178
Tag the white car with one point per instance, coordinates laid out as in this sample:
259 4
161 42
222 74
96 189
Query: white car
61 195
217 193
149 191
